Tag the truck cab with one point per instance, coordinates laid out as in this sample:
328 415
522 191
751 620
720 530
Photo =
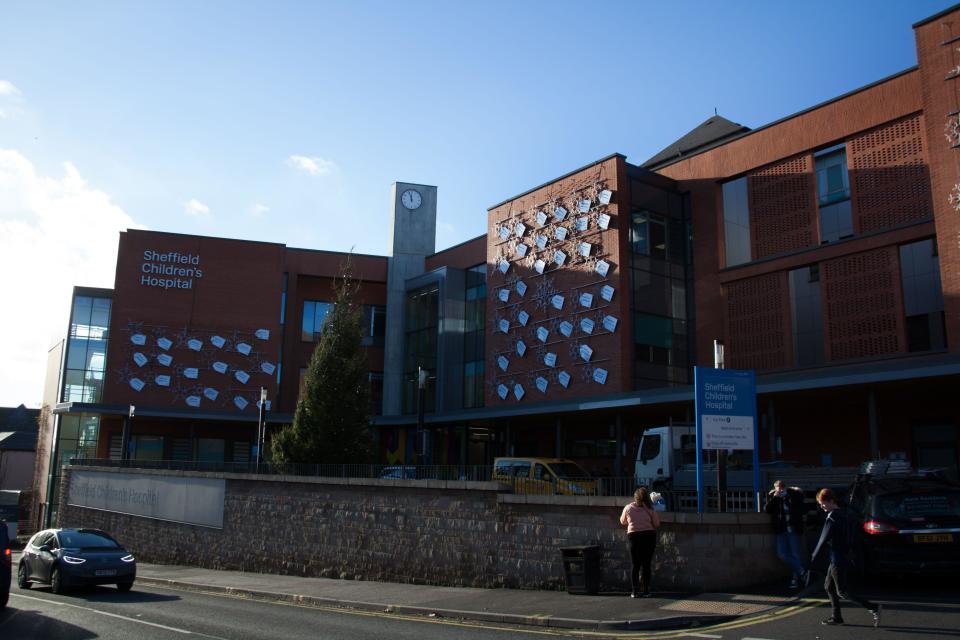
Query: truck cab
662 451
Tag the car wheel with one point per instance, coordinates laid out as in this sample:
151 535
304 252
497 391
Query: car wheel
56 581
124 586
3 599
22 581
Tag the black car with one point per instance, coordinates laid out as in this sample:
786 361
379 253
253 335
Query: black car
64 558
906 523
5 563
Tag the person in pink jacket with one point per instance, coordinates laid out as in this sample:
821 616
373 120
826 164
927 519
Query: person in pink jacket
642 523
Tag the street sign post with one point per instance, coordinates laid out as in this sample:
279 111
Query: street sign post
726 415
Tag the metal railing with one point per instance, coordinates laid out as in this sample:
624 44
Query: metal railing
682 500
331 470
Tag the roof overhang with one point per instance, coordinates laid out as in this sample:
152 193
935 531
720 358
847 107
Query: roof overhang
865 373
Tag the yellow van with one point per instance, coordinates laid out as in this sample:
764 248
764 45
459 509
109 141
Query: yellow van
544 476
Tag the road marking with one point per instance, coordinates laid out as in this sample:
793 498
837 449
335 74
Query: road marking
706 635
115 615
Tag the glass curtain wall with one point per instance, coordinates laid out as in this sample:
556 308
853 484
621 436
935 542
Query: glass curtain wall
475 315
85 362
86 349
420 346
659 280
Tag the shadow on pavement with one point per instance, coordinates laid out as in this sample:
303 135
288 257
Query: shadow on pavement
26 624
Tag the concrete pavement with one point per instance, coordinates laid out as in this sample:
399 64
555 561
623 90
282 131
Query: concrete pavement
607 612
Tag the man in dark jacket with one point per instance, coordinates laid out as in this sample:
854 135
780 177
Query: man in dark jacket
837 536
787 508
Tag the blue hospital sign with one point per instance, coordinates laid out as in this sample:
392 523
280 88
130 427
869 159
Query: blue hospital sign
726 406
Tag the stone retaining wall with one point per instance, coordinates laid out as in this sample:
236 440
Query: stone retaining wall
435 532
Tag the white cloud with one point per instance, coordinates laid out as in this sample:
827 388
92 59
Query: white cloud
7 88
54 233
314 166
257 210
196 208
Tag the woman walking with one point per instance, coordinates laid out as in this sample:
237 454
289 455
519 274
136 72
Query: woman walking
642 523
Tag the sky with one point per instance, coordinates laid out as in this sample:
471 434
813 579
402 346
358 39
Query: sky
288 121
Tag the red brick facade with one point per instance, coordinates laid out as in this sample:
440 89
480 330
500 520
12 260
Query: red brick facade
553 295
937 43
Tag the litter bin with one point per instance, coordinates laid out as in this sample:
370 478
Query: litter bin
581 568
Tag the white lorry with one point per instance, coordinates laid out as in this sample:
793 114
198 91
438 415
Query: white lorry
667 458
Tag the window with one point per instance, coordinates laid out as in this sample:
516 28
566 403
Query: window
651 448
375 378
374 324
210 449
922 296
315 315
648 235
833 195
420 346
475 314
653 338
736 222
807 317
147 447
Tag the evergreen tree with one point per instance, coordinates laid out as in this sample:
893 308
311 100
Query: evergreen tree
331 423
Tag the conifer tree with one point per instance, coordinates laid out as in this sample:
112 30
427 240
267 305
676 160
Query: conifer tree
331 422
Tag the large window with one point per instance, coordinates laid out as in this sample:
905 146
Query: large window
648 235
475 314
87 349
922 296
736 222
374 322
420 346
833 195
315 315
807 316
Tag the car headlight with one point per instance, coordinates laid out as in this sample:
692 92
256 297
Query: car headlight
72 560
128 558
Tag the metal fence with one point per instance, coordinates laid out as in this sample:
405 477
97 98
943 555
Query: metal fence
737 501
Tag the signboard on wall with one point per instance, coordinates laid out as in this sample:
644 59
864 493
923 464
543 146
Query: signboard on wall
197 501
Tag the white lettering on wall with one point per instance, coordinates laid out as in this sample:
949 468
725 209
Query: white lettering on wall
170 270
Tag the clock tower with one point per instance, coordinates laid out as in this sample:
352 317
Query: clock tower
413 236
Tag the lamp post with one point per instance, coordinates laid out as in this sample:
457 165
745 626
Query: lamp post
421 397
718 363
261 426
125 434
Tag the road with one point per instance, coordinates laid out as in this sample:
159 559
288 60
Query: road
149 613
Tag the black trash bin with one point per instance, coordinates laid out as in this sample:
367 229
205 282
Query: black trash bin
581 568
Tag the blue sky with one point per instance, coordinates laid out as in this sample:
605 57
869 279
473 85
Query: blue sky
288 121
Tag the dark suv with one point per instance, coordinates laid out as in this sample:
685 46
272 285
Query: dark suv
5 564
909 522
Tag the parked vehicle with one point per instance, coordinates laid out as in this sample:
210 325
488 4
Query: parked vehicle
64 558
543 476
5 565
399 472
10 510
908 521
667 460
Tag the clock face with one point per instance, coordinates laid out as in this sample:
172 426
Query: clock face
411 199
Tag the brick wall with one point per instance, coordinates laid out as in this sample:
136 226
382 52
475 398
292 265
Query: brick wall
433 532
543 294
